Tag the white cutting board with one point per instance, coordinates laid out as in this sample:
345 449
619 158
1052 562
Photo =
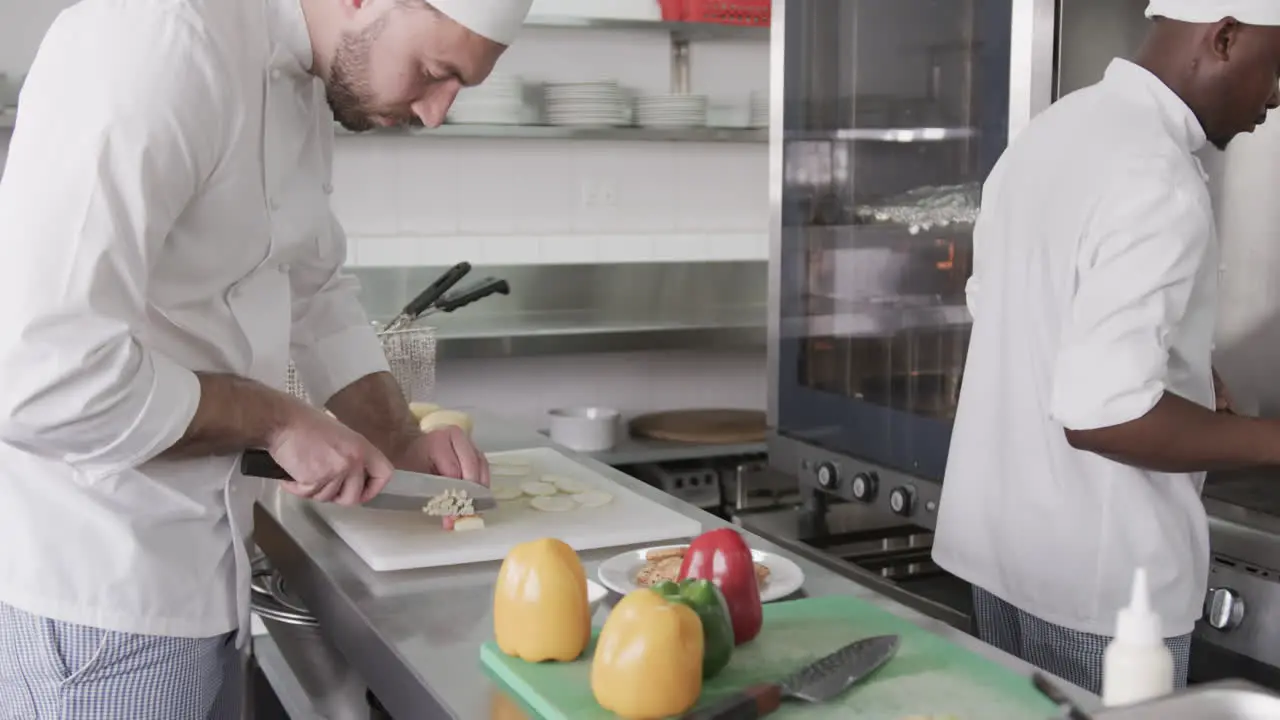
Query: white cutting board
389 540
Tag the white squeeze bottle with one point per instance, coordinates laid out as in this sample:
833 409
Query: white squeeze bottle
1137 666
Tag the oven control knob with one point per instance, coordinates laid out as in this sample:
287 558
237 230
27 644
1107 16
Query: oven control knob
864 487
902 500
1223 609
828 476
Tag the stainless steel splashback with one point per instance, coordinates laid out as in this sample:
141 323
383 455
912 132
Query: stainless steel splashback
1246 182
1091 33
1243 181
564 309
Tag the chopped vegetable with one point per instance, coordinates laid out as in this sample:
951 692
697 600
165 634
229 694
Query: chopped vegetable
506 491
717 630
566 484
422 409
722 556
553 503
470 522
593 498
445 418
535 488
540 608
450 502
648 659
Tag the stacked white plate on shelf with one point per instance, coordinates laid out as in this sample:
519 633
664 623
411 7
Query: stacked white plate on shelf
759 110
671 111
498 101
587 104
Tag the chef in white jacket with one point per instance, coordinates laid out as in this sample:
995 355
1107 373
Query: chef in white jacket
168 246
1087 416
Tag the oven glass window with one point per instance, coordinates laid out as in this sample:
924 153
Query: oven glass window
895 111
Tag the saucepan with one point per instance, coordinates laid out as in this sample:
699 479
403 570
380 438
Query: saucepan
584 429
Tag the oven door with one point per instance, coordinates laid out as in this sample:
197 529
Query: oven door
894 113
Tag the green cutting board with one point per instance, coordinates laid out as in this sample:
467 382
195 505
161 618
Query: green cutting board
929 675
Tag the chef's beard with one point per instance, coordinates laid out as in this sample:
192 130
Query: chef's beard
348 90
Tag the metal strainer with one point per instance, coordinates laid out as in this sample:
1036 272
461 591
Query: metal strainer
411 354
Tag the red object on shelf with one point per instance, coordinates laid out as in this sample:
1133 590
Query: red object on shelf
725 12
672 10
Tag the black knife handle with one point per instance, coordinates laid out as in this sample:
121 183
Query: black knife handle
435 290
750 703
260 464
471 293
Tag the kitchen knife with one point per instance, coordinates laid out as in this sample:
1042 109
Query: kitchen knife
815 683
406 491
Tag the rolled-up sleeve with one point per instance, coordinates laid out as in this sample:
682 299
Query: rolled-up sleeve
332 344
1137 269
115 135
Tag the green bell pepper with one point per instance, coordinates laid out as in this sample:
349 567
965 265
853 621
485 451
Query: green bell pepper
705 599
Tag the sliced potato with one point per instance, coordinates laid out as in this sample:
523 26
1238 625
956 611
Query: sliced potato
471 522
553 503
509 462
566 484
422 409
506 491
444 418
538 489
592 498
508 471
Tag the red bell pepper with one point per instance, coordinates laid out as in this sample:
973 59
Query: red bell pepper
722 557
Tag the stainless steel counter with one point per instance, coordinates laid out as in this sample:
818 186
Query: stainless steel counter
414 636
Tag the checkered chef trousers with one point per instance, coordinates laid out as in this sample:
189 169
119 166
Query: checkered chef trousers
1071 655
51 670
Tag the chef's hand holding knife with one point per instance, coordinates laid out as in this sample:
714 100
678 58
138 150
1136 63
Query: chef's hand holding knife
328 461
349 462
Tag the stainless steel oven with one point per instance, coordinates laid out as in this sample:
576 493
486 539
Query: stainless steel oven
887 117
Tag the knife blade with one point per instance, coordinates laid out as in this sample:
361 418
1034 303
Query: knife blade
840 670
405 491
817 682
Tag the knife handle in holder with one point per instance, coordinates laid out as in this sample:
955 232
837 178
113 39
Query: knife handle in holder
260 464
476 291
754 702
436 290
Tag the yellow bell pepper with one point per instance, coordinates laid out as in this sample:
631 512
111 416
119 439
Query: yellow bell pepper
540 609
648 661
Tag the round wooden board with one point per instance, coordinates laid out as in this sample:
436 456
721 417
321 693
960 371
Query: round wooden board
709 427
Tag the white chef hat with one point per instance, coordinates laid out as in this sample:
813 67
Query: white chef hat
1250 12
498 20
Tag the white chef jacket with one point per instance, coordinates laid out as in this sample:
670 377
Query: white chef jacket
1093 293
164 210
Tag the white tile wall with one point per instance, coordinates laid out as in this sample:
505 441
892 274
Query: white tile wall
525 388
429 201
436 201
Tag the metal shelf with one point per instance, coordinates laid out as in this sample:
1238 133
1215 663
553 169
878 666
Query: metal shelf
679 30
555 132
576 332
892 135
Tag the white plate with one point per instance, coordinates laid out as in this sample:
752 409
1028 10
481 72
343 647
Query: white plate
785 577
595 594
